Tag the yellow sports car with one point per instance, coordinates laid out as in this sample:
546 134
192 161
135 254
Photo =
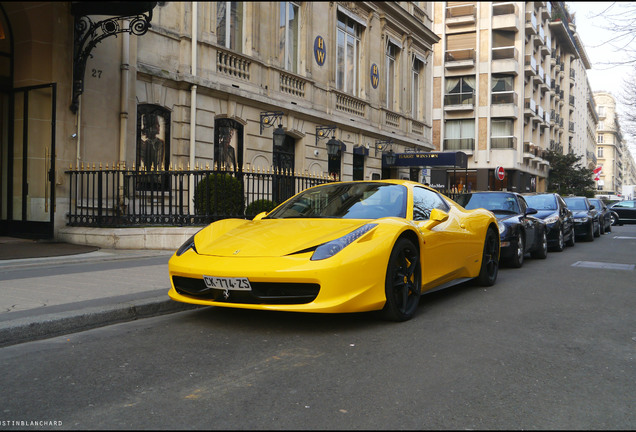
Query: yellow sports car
339 247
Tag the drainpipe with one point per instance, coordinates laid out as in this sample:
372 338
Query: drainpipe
193 106
123 103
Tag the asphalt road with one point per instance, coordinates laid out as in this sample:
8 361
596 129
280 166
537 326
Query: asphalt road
551 346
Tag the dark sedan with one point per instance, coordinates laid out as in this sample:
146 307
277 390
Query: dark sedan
520 233
604 214
626 211
586 223
558 218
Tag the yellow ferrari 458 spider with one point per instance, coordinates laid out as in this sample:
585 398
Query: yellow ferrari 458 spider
339 247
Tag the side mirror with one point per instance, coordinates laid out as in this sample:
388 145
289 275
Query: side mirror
260 216
437 217
531 211
592 207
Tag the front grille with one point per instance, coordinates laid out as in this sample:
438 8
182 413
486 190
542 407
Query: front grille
262 292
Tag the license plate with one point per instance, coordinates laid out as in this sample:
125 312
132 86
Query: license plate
232 284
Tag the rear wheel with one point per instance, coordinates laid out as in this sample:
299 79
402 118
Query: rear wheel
403 283
490 259
597 233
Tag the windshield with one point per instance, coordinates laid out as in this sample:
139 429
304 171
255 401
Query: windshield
541 202
495 202
597 204
576 203
356 200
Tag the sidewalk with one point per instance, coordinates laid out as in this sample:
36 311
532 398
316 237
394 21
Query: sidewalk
63 288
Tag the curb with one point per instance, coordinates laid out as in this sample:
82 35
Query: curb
50 325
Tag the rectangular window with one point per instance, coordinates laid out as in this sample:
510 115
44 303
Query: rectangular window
503 89
601 111
418 70
391 55
599 152
459 134
289 31
460 91
347 46
599 139
229 25
502 134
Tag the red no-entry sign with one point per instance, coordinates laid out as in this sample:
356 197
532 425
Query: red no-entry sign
500 173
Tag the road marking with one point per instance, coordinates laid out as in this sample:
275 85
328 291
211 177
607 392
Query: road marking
603 265
624 238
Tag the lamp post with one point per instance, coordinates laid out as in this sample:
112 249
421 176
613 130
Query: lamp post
268 119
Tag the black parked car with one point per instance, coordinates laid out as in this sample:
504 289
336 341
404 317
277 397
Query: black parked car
520 233
604 214
586 221
626 211
557 216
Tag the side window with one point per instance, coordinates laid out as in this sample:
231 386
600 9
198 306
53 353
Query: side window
424 201
522 204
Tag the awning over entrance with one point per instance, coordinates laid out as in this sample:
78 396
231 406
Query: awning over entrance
430 159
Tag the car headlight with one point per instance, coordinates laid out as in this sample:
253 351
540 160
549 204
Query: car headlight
331 248
502 227
552 219
189 244
582 220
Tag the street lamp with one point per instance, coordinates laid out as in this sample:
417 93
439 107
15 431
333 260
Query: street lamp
382 145
268 119
333 147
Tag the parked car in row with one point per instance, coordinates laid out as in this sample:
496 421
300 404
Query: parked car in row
557 216
586 219
604 214
520 232
625 212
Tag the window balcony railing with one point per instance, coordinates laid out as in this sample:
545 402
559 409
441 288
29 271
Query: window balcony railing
507 97
460 14
504 8
462 99
504 53
531 23
459 144
503 142
460 57
232 64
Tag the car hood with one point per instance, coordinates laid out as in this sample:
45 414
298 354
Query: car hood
580 213
542 214
270 237
503 217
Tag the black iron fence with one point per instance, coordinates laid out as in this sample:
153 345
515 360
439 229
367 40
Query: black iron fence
122 197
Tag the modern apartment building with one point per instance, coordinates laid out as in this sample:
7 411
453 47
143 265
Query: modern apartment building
611 149
341 85
509 84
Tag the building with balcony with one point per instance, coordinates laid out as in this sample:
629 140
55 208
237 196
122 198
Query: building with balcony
198 84
523 69
610 145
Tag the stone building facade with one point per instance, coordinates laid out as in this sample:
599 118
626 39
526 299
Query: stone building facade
207 84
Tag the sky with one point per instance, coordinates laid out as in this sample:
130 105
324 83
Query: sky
591 25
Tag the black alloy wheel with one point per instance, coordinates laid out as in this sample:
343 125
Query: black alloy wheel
614 218
516 260
590 235
572 240
403 283
560 242
490 259
541 252
597 233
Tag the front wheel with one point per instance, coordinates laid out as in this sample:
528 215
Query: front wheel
560 241
597 233
490 259
572 240
542 251
614 218
403 283
516 260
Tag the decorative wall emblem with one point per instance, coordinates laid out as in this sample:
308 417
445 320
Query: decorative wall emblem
375 75
320 51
